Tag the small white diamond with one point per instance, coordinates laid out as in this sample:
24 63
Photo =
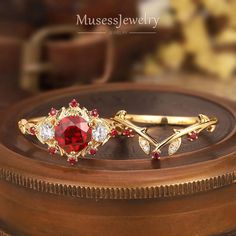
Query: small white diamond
100 132
174 146
46 131
144 144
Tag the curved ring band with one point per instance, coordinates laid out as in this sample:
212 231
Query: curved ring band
74 131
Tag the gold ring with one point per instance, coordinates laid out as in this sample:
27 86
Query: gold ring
75 132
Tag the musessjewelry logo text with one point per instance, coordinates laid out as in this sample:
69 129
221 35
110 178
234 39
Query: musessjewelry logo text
117 21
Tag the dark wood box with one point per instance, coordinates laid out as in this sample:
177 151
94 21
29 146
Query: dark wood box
121 191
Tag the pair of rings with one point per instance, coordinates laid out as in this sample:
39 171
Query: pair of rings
76 132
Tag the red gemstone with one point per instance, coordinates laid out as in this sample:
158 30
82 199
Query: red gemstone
93 151
52 150
72 160
114 133
156 155
128 133
73 133
32 130
94 113
53 112
192 136
73 103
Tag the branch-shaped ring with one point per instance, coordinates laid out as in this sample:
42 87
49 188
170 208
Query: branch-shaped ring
196 125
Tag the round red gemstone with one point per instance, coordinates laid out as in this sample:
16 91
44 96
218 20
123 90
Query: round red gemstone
156 155
128 133
72 160
73 103
93 151
114 133
32 130
73 133
192 136
94 113
53 111
52 150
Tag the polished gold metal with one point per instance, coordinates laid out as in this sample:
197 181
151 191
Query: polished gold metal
121 124
195 126
44 129
161 120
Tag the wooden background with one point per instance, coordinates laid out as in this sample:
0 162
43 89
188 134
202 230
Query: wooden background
121 192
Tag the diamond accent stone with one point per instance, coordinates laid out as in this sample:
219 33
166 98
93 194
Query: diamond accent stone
100 132
144 144
174 146
46 132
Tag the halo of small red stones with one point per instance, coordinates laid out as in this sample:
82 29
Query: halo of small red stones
53 150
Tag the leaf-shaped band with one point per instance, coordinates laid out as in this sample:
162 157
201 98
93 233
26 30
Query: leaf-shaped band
195 125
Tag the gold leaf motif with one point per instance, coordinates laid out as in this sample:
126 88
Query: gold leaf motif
144 144
174 146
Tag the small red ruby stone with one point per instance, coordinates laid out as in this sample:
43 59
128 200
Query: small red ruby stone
94 113
32 130
52 150
93 151
128 133
72 161
53 111
192 136
73 134
73 103
114 133
156 155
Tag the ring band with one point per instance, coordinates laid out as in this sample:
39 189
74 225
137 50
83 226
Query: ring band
195 126
74 131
